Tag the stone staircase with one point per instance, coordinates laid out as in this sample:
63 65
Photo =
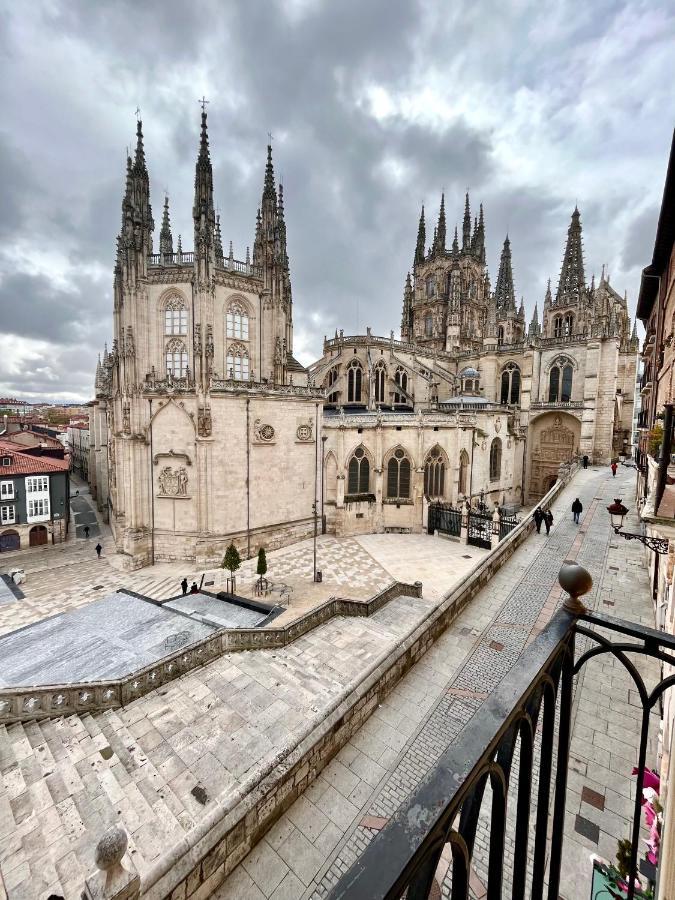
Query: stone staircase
63 782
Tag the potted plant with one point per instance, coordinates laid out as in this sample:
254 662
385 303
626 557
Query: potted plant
261 568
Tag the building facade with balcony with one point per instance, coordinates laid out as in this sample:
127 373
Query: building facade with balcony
470 391
199 401
34 499
78 446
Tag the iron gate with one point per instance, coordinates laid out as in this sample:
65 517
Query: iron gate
480 529
445 519
506 525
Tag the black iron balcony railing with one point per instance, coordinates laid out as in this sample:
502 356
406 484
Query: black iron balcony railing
444 810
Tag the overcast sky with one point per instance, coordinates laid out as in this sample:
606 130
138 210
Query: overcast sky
375 106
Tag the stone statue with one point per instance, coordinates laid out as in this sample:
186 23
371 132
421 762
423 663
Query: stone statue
182 481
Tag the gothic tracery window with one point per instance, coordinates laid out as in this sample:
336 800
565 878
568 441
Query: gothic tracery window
428 325
401 379
560 382
398 476
175 317
434 474
568 325
495 459
380 383
237 362
237 321
354 378
358 473
176 358
463 472
558 326
431 286
510 384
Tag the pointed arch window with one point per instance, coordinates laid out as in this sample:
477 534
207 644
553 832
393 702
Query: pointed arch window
558 326
463 473
398 476
434 474
568 325
380 382
428 325
175 317
560 382
236 321
354 379
176 358
495 459
358 473
500 335
401 379
238 363
431 286
510 384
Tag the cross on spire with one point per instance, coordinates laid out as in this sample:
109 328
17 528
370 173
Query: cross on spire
203 103
138 112
269 137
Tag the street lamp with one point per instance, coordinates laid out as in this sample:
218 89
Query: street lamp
617 512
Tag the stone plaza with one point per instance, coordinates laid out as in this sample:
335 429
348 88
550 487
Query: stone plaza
173 763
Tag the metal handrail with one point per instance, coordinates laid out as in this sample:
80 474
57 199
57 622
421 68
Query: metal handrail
444 808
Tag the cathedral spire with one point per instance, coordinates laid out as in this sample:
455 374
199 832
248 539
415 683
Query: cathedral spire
548 299
139 160
504 293
535 328
572 286
408 317
521 309
257 241
269 192
165 239
421 239
203 212
466 226
439 243
479 236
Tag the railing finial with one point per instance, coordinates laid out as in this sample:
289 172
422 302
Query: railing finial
577 581
113 881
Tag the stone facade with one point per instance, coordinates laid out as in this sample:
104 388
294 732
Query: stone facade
200 399
481 406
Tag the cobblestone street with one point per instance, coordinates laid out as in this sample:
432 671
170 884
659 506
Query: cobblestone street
317 840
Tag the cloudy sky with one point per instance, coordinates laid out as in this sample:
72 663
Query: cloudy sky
375 106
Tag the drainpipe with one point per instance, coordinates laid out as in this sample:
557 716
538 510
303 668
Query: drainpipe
248 479
665 456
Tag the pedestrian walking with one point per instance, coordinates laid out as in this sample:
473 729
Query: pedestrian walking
98 550
548 520
184 586
585 460
194 589
577 509
86 531
614 470
538 518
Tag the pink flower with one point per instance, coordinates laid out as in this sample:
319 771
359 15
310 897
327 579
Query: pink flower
650 779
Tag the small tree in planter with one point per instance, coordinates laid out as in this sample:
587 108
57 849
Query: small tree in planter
262 564
231 561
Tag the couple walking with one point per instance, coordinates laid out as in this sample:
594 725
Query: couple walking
543 516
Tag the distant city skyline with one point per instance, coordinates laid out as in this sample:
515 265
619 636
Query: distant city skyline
374 109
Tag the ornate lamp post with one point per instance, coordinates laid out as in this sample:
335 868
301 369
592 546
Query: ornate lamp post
617 512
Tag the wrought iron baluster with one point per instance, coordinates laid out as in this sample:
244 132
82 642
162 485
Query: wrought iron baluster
499 785
561 769
544 792
461 863
420 884
523 810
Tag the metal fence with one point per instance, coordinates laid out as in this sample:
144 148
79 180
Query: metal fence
444 809
444 518
506 525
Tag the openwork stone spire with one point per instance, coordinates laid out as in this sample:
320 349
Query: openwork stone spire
439 242
466 226
504 293
421 239
203 212
572 285
269 192
165 239
218 242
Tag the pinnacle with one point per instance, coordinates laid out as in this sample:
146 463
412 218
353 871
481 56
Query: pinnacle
269 192
139 161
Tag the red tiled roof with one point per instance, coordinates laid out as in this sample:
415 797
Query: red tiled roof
24 464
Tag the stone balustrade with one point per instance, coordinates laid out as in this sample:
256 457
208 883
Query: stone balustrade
28 703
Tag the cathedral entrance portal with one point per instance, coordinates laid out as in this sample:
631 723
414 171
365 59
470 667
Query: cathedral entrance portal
554 442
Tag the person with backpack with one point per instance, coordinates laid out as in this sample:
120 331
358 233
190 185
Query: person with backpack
538 517
577 509
548 521
98 549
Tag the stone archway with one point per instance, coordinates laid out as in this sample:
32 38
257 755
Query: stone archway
38 535
10 540
554 440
